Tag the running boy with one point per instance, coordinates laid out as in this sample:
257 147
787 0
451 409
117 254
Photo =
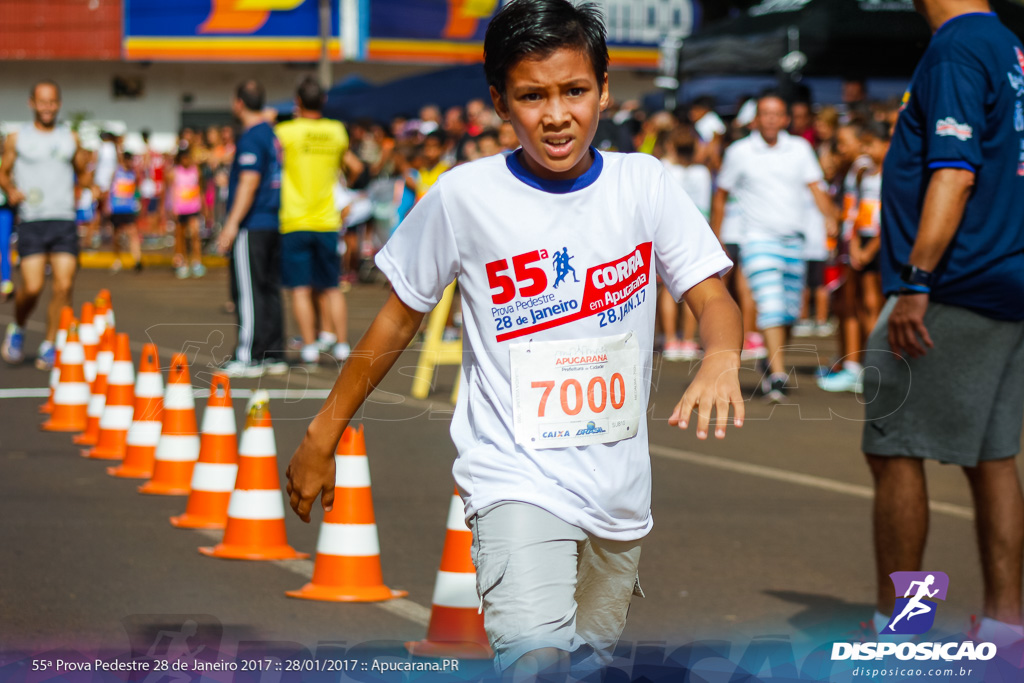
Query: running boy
550 426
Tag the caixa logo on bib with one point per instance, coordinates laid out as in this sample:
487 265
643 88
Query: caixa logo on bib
914 615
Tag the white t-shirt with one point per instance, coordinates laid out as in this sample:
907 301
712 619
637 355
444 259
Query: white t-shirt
770 183
732 222
709 125
815 230
106 164
507 235
695 180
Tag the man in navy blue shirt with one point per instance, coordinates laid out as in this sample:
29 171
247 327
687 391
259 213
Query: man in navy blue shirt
949 347
250 233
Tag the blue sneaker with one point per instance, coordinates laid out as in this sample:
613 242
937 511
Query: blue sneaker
844 380
47 356
13 349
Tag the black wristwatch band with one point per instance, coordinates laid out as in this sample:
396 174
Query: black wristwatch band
912 275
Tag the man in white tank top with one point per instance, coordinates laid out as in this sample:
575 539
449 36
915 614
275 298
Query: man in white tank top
38 172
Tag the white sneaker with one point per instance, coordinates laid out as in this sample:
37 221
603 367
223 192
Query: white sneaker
310 354
274 366
342 351
844 380
236 368
181 272
804 328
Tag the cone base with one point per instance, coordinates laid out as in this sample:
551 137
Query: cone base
442 650
239 552
46 409
62 427
151 489
312 591
187 521
97 454
86 439
129 473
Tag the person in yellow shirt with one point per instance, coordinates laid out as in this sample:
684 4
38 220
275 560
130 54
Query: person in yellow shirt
315 150
433 163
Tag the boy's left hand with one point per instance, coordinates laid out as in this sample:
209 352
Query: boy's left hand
716 387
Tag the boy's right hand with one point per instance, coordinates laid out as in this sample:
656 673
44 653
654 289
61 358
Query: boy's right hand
310 475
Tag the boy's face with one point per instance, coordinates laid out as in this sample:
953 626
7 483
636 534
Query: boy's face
554 105
432 151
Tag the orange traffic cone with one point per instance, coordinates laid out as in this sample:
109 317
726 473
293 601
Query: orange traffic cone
105 294
118 405
102 308
67 314
213 478
90 341
71 399
255 528
144 433
347 565
178 448
98 398
456 627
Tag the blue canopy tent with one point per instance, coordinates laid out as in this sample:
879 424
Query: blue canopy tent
405 96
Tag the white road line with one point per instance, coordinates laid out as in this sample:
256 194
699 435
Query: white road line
31 392
797 478
400 607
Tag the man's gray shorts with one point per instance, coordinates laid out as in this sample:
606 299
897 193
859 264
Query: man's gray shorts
961 403
548 584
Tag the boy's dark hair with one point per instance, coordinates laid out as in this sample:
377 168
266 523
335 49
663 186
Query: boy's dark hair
251 94
772 94
876 129
536 28
437 135
311 94
704 102
488 133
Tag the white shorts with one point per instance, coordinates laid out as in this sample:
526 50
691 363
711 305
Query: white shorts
545 583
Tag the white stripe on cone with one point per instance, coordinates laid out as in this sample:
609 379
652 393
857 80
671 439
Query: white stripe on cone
178 448
104 362
457 515
54 376
258 442
350 540
116 417
72 394
96 403
214 477
73 354
456 589
256 504
89 370
351 471
122 373
144 433
179 397
219 420
149 385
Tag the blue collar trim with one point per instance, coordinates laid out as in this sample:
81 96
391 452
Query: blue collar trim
961 16
555 186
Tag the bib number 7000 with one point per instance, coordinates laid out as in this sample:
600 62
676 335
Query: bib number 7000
577 392
599 394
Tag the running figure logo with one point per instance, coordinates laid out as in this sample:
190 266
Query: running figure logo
914 613
560 262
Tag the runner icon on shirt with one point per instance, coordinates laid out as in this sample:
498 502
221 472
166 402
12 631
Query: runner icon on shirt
560 262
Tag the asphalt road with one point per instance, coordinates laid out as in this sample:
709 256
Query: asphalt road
764 533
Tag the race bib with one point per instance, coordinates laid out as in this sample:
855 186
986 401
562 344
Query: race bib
577 392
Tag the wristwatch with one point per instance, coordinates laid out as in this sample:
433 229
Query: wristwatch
915 281
912 275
